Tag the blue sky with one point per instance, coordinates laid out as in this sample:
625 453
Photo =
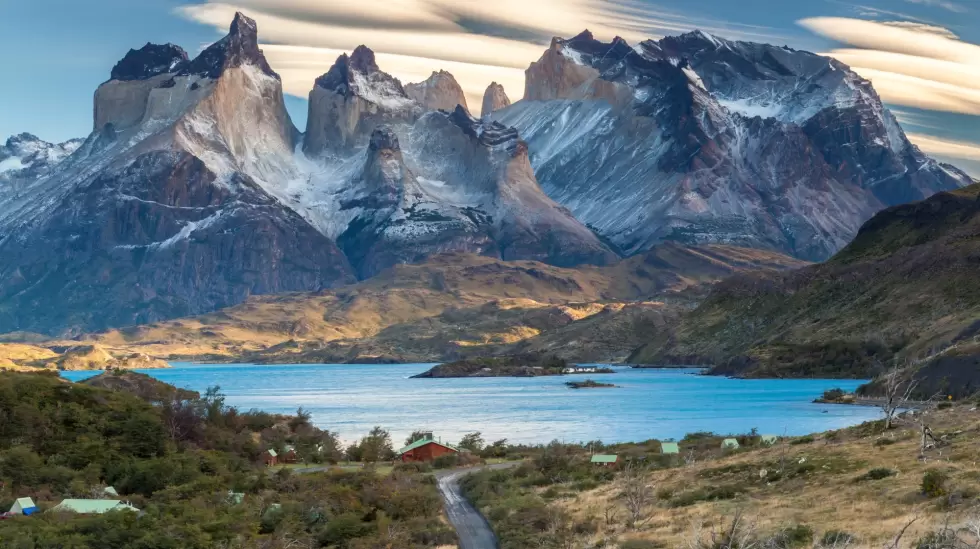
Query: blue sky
925 62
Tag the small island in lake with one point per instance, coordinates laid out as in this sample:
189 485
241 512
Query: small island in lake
588 384
528 365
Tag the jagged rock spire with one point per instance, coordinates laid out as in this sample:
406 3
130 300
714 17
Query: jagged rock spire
239 47
494 99
439 92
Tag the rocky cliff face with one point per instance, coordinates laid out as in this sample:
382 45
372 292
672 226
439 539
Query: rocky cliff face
494 99
162 211
193 192
440 92
352 99
700 139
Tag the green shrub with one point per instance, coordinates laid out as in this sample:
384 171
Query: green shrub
802 440
885 441
794 537
447 461
877 473
836 538
833 394
944 405
934 483
413 467
641 544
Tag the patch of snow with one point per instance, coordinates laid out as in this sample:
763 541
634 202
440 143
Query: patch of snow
694 78
751 109
574 55
379 89
12 164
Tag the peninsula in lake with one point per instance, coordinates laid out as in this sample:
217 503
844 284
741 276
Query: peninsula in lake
510 366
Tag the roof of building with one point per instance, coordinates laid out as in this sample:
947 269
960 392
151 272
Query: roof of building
92 506
289 448
422 442
110 491
604 458
729 443
769 439
669 448
272 452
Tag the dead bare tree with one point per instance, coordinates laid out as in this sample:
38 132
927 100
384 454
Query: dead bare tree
738 534
898 384
637 493
897 542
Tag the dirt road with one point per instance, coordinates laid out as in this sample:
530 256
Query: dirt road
473 530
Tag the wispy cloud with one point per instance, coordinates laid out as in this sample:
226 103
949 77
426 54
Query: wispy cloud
909 64
944 4
477 41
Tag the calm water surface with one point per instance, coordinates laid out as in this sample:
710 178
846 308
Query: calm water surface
350 399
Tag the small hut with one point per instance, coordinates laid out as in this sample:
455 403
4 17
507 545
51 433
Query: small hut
605 460
669 448
270 457
288 454
23 506
729 444
425 449
768 440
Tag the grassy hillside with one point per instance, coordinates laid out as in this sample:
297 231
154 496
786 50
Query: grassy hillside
907 285
454 306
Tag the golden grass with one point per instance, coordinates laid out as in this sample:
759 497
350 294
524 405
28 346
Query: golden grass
828 498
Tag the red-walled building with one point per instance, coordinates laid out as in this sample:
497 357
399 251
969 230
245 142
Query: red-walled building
425 449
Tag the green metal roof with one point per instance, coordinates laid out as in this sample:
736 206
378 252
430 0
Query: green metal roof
729 443
110 491
769 439
92 506
669 448
604 458
422 442
273 453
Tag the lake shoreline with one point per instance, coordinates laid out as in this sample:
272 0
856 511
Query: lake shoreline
351 399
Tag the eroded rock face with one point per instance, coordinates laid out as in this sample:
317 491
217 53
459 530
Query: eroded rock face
494 99
440 92
352 99
700 139
165 210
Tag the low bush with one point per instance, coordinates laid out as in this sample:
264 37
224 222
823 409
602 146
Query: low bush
836 538
934 483
794 537
641 544
877 473
802 440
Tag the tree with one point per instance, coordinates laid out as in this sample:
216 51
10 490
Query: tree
376 446
637 494
898 384
301 419
416 435
472 442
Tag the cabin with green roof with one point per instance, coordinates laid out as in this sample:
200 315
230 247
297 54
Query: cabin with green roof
729 444
669 448
91 506
425 449
605 459
768 440
270 457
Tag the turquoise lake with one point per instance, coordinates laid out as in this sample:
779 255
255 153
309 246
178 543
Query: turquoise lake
648 404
